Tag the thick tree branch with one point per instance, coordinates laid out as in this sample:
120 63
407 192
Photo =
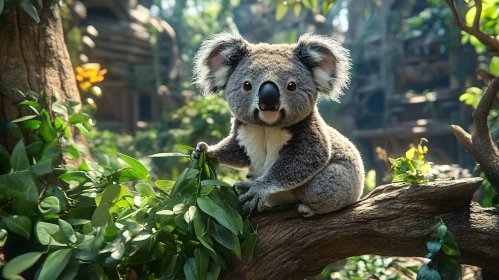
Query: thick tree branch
480 144
490 42
394 220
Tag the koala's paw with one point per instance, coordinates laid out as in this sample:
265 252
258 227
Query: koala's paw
256 195
305 210
201 147
251 175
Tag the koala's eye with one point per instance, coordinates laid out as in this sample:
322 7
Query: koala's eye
247 85
291 86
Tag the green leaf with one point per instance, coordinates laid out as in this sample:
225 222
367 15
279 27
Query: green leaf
77 176
202 260
449 268
311 4
25 118
2 3
214 270
215 182
190 269
32 124
55 264
249 245
164 184
169 155
71 151
19 159
200 230
83 129
127 174
226 238
44 232
79 118
101 214
433 246
206 190
30 9
46 130
442 230
19 264
449 246
280 11
18 224
144 189
135 164
494 65
3 237
16 184
410 153
68 231
56 191
42 168
165 212
185 147
217 212
49 205
61 109
297 9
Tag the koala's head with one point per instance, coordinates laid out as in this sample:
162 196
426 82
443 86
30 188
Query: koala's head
272 85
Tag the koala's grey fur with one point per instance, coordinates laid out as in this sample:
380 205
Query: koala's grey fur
295 155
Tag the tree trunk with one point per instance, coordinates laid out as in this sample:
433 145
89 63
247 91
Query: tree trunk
33 56
393 220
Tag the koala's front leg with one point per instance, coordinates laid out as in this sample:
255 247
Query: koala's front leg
298 162
228 151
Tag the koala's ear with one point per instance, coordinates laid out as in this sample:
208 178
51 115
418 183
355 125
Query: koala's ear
328 62
215 60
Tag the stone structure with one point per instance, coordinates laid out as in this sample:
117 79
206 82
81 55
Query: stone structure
406 85
141 55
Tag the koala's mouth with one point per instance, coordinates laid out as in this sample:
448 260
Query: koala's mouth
269 117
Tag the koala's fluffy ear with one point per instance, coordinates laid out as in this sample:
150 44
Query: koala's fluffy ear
328 61
215 60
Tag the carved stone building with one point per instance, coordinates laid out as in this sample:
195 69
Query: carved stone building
141 55
407 80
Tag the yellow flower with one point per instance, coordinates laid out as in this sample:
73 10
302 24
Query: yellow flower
88 74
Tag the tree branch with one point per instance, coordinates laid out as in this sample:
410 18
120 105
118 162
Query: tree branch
490 42
478 14
393 220
480 144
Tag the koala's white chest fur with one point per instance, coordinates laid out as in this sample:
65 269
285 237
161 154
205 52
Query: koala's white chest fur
262 145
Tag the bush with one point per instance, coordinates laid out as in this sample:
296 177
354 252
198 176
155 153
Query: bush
100 219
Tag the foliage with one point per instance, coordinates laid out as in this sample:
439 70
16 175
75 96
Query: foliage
367 267
410 170
99 225
199 120
441 266
25 4
472 97
489 24
430 22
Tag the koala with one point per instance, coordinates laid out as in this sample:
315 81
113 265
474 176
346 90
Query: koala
277 131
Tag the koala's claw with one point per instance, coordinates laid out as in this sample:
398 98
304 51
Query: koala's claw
200 148
251 175
256 195
305 210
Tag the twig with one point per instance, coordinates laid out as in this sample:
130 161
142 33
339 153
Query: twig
489 41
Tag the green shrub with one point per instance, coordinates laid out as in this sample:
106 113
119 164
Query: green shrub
410 170
112 220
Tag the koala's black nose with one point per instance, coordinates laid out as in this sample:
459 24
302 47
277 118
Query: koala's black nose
268 97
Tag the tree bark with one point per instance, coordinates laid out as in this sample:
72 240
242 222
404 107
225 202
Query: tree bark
393 220
33 56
